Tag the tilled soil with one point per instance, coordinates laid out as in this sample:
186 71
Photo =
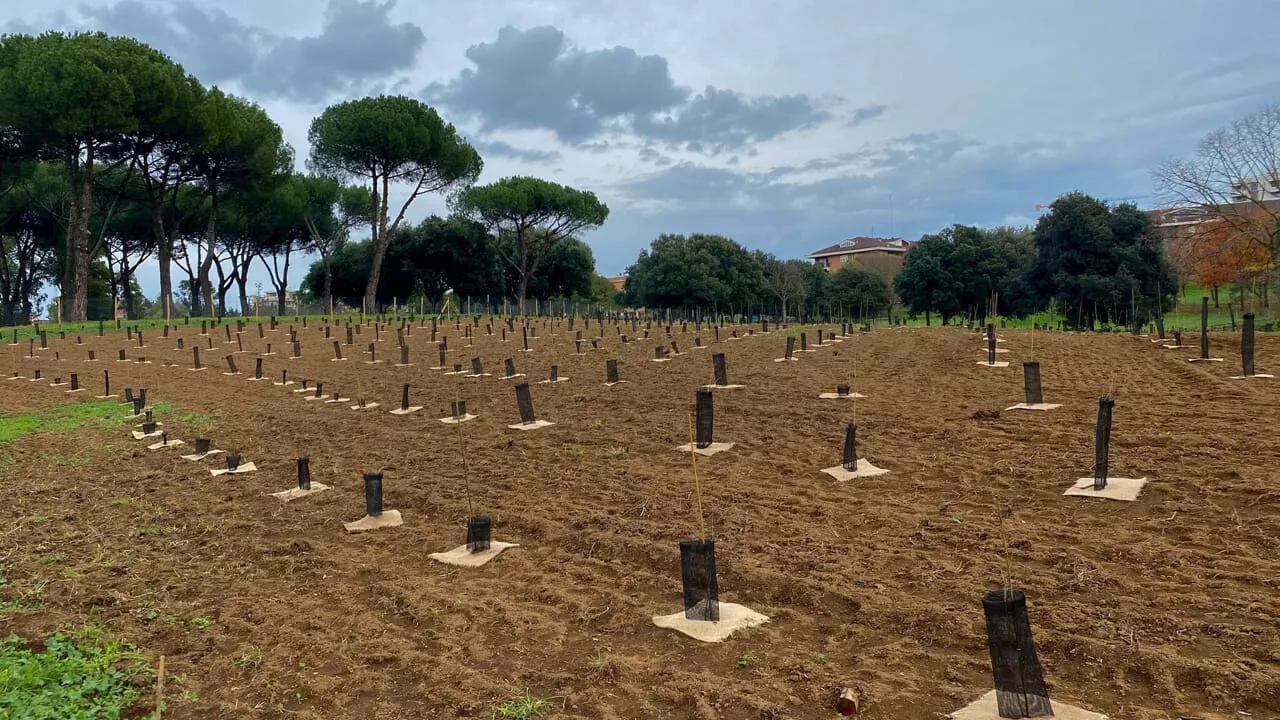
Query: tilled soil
1160 608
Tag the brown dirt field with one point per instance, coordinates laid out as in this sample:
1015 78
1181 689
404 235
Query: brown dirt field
1161 608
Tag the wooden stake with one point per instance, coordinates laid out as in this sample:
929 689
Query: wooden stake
160 688
697 485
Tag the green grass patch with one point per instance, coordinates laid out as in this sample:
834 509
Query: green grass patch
525 708
62 418
76 675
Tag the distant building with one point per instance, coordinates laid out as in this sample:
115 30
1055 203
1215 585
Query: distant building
618 282
865 250
1255 189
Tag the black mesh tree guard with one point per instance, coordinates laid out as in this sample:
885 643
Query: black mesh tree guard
373 494
233 461
479 533
148 428
373 357
510 367
138 403
350 339
791 346
440 347
1177 338
458 408
611 371
284 377
525 332
319 389
849 461
261 334
1019 679
577 346
227 330
231 365
404 396
704 419
202 445
675 349
457 367
1102 442
75 382
141 398
304 473
555 374
476 367
1246 345
720 375
842 390
297 349
595 344
337 350
991 348
93 356
1160 327
1031 383
658 352
404 354
128 395
1204 328
804 341
524 402
257 369
698 579
122 355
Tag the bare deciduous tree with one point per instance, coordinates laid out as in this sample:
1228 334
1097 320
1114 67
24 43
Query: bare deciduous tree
1231 182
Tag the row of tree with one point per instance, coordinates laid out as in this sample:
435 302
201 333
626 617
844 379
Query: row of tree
716 274
1094 262
111 155
459 255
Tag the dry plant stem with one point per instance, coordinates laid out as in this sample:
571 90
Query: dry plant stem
159 688
697 486
1006 563
466 471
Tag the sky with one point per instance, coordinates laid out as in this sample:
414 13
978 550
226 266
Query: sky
785 126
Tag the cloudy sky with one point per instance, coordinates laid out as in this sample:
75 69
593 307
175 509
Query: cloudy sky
787 126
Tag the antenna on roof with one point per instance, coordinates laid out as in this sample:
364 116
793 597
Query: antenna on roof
892 232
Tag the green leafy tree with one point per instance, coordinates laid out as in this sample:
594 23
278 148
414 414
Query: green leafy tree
786 280
1101 263
330 212
390 140
565 272
537 214
695 271
74 98
30 236
968 270
239 147
447 254
857 292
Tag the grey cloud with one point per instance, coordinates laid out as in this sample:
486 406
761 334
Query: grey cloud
506 149
358 45
910 185
865 114
530 79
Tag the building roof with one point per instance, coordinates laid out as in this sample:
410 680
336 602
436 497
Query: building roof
1196 214
862 245
619 281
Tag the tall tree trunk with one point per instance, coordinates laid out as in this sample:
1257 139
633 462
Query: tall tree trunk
242 282
206 263
126 291
327 258
164 255
381 240
281 294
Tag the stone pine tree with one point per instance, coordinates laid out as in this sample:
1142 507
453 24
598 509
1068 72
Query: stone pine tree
384 141
75 98
537 214
330 212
